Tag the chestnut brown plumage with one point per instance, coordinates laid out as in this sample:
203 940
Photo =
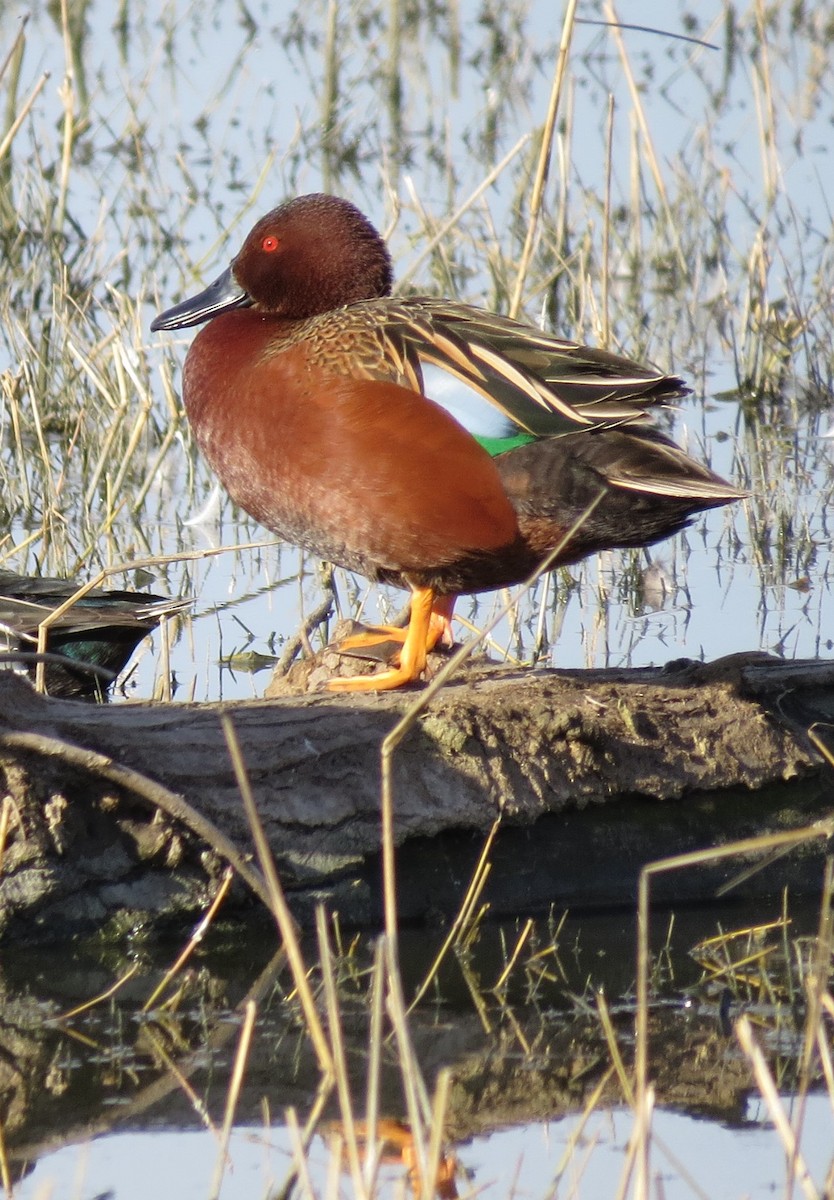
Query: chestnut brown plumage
306 391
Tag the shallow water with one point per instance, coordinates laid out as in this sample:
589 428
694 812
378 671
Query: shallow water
95 1107
690 1157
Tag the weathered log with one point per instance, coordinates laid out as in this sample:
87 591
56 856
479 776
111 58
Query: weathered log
129 811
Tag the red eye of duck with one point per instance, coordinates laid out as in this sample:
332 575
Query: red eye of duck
269 243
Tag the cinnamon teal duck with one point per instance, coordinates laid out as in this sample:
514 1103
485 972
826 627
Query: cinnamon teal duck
322 403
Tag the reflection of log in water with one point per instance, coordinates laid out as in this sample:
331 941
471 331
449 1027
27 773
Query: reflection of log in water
47 1105
591 752
536 1067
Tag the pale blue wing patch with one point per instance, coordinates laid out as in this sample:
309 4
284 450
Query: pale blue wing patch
487 423
469 408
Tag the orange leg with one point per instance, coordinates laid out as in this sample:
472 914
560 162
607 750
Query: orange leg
422 633
441 621
440 630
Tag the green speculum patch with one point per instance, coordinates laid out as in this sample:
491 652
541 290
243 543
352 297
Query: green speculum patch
496 446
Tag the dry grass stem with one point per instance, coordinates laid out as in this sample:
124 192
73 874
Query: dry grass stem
542 168
416 1097
325 1089
766 112
338 1056
514 957
464 914
816 985
605 331
278 903
819 744
165 693
197 935
637 1151
614 1049
375 1034
232 1096
645 132
428 1182
179 1077
23 113
16 49
770 1094
577 1134
107 994
8 809
301 1170
5 1173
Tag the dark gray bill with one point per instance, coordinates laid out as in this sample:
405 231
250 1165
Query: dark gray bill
224 294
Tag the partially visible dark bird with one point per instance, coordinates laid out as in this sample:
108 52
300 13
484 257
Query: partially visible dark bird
90 644
333 413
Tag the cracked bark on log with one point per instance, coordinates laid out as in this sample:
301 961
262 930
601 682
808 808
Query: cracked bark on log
584 754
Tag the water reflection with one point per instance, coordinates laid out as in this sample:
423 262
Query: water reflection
520 1080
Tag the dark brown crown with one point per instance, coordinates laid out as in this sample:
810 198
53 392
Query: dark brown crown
312 255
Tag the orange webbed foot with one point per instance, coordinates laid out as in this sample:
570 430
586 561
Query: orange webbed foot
385 681
425 627
378 643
